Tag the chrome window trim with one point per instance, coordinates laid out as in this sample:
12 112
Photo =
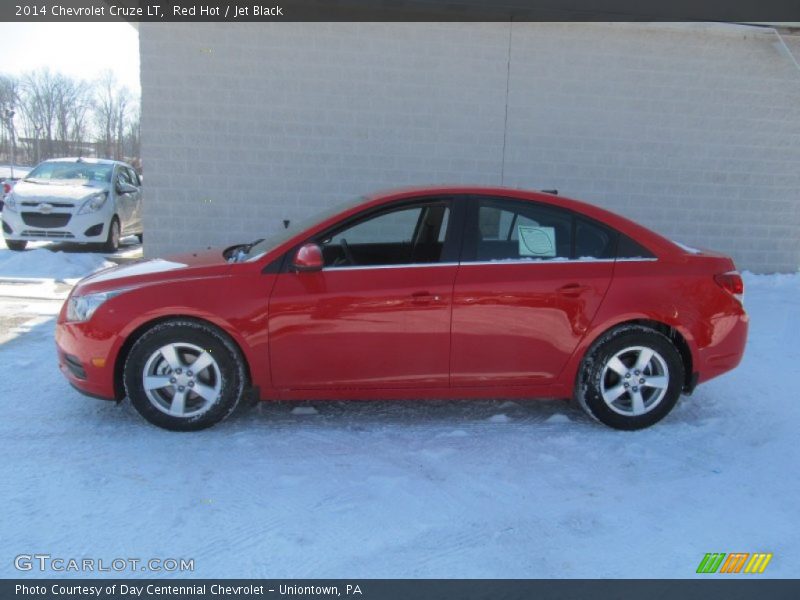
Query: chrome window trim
408 266
555 262
487 262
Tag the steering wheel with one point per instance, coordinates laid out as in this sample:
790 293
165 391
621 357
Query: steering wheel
348 254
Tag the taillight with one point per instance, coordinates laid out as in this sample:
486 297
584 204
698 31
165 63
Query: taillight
732 283
6 188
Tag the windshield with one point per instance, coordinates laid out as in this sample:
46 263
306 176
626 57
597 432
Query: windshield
73 173
279 237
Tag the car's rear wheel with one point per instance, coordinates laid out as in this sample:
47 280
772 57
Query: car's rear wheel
112 241
184 375
16 245
631 378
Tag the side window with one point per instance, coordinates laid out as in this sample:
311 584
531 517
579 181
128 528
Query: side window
389 228
593 240
627 248
517 230
132 176
122 175
408 235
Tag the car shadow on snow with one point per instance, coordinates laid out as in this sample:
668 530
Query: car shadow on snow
366 415
439 416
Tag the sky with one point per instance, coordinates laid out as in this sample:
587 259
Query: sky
81 50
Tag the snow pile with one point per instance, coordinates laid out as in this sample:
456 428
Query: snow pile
413 489
41 263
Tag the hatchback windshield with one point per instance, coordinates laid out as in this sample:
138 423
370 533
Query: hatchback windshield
74 173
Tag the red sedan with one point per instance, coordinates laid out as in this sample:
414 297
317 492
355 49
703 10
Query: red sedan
437 292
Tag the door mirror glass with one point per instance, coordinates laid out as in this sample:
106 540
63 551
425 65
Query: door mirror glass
308 258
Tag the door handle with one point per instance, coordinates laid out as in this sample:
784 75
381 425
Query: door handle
573 290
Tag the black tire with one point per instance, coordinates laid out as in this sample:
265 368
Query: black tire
111 244
16 245
598 375
229 375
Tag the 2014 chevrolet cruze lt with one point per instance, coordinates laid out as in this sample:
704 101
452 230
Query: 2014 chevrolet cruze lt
436 292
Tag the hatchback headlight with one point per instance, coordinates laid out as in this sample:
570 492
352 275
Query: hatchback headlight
10 203
81 308
93 203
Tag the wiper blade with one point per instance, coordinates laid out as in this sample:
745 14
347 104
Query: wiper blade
239 252
251 244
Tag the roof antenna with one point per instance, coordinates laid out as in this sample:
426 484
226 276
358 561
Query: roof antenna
554 192
286 223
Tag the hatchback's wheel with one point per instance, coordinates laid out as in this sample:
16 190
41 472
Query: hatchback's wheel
112 241
631 378
16 245
184 375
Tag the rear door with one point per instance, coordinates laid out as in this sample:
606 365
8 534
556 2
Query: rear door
526 291
378 314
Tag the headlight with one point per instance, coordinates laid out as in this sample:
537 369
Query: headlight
94 203
10 203
81 308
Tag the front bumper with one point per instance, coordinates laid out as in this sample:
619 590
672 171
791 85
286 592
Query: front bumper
28 225
87 360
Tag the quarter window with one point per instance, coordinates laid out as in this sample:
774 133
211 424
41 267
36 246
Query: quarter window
627 248
593 240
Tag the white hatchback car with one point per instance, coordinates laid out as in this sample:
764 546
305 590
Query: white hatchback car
79 200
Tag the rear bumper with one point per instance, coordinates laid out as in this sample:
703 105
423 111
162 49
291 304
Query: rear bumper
726 348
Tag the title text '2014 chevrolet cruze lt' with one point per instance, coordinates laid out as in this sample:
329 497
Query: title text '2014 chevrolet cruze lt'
425 293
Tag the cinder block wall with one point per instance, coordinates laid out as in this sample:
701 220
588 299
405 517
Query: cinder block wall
693 130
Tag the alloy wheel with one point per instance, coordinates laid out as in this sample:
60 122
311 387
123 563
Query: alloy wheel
634 381
182 380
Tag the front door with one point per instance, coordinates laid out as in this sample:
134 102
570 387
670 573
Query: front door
378 314
125 200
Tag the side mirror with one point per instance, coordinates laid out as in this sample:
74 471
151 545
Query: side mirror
123 187
308 258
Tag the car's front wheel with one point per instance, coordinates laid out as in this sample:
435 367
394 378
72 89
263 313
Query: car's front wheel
16 245
184 375
631 378
112 241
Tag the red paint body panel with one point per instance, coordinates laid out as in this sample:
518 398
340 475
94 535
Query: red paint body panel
442 330
390 328
519 324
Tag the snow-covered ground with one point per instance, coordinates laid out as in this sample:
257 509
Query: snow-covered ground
410 489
